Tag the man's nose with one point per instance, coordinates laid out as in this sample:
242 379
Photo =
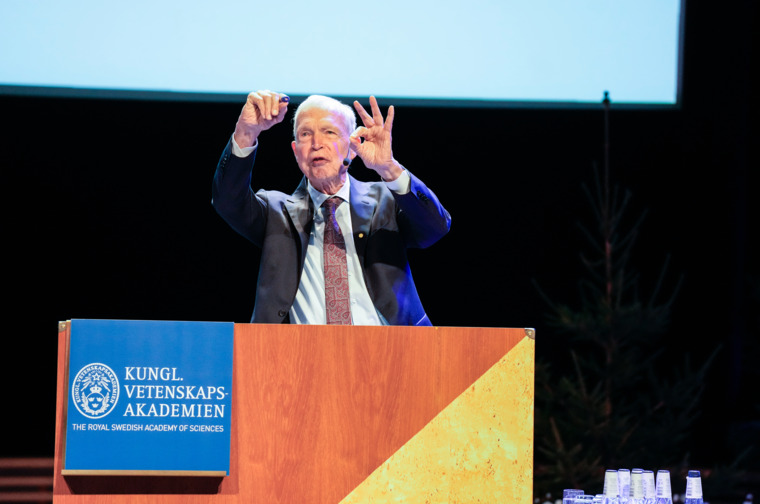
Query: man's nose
317 141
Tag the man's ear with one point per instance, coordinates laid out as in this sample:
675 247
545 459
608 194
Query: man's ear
351 152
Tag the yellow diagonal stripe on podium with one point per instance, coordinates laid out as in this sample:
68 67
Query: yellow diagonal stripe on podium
478 449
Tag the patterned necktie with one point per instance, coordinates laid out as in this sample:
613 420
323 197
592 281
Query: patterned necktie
337 302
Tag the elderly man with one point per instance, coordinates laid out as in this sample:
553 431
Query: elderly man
333 252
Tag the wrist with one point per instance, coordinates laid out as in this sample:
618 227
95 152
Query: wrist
391 172
246 137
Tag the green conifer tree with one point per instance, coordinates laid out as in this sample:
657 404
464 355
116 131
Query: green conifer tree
617 405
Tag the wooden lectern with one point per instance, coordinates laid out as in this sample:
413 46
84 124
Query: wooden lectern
344 414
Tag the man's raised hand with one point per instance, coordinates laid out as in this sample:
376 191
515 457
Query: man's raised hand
376 150
262 110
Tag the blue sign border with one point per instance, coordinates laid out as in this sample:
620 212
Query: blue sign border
149 396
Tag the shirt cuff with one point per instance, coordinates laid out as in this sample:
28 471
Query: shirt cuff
242 151
402 184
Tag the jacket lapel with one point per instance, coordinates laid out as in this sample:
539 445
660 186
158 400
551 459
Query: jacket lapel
299 210
362 209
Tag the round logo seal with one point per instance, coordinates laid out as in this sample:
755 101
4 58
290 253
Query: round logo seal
95 390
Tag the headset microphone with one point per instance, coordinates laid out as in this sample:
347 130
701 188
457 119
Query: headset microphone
347 159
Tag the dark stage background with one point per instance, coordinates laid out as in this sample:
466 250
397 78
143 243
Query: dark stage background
108 215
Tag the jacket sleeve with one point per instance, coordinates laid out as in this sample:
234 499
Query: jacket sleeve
233 198
421 217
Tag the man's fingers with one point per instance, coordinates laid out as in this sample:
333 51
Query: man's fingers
268 105
365 117
254 99
376 119
376 115
279 105
389 119
357 135
258 105
271 104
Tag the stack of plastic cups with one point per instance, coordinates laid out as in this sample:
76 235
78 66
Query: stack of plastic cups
693 488
569 495
637 486
611 486
649 495
663 491
624 485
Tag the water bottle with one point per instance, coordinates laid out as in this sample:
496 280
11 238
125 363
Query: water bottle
693 488
663 491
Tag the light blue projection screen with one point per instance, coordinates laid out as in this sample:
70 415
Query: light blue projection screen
475 50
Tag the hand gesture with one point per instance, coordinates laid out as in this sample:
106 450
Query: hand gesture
375 150
262 110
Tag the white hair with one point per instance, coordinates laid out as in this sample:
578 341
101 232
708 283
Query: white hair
330 105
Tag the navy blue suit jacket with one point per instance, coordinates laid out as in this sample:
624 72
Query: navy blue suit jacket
384 224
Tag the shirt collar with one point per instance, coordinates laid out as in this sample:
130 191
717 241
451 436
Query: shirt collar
318 198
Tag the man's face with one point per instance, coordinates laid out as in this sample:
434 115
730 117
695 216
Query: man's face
320 147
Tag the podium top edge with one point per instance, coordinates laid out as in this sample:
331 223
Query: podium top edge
530 332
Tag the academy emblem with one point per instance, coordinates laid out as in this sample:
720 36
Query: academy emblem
95 390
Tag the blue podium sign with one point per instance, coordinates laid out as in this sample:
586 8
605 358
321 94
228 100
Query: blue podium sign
148 396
